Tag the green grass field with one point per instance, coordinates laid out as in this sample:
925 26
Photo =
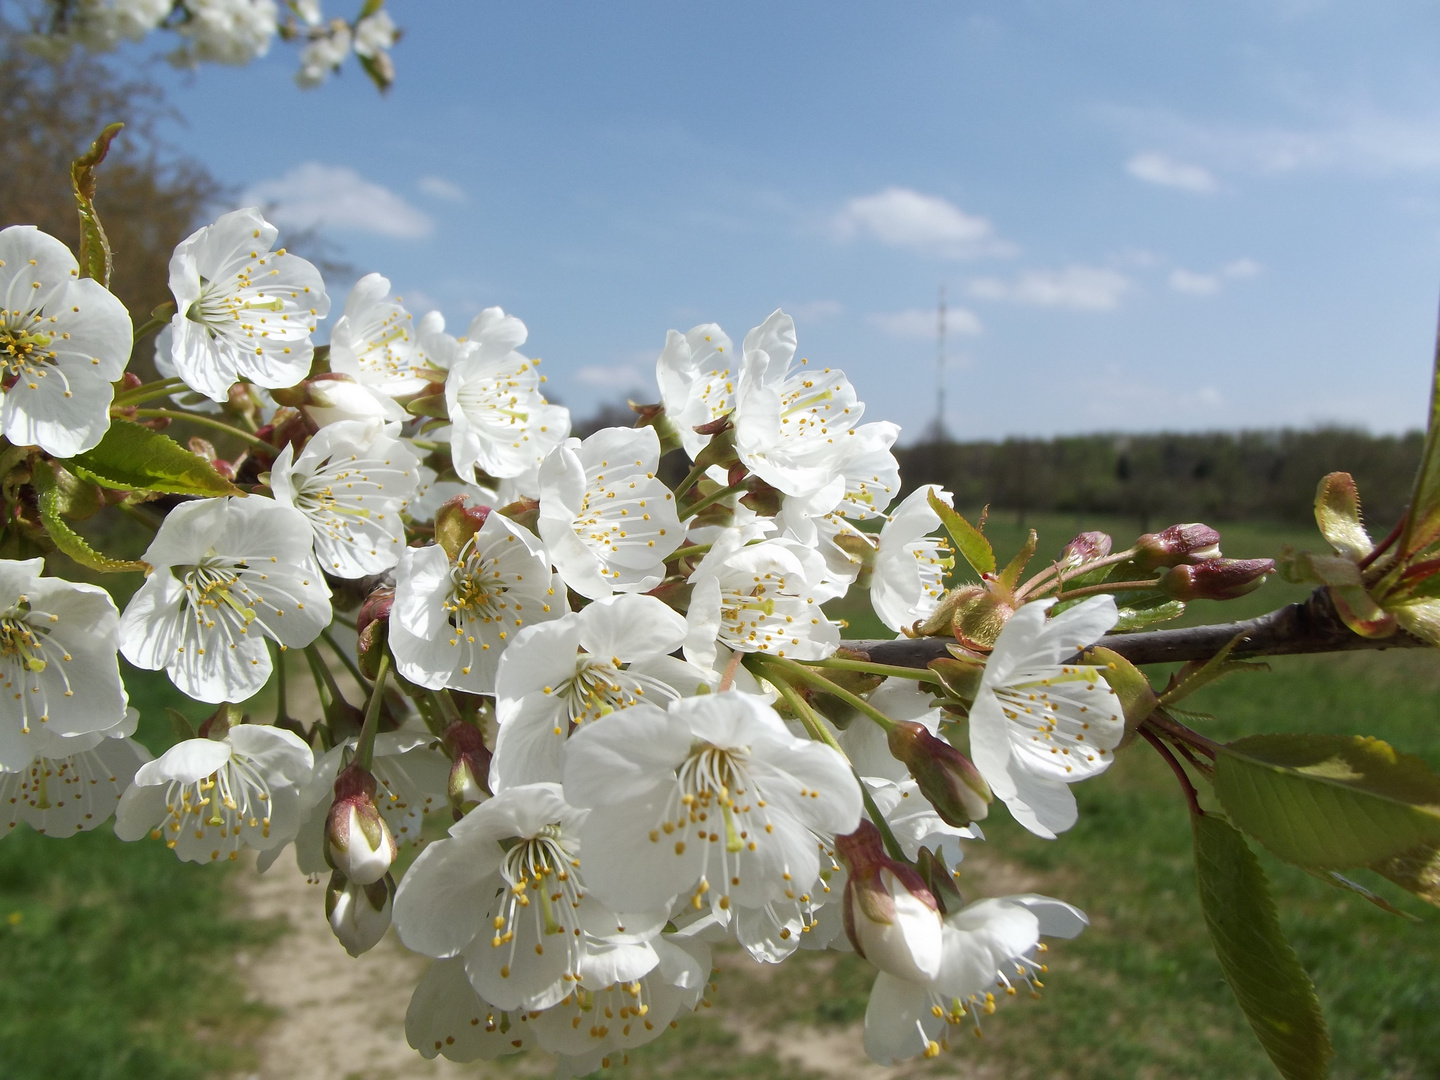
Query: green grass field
118 963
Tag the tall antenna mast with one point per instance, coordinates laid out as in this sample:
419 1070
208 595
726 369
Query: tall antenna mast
940 433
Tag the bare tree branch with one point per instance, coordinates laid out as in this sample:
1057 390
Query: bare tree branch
1308 627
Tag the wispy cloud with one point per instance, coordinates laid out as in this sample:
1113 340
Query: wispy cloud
1076 288
620 377
316 196
902 218
923 323
440 188
815 311
1208 284
1161 169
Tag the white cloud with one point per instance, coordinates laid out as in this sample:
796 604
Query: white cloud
619 377
316 196
1078 288
1156 168
1241 268
922 322
902 218
1187 281
440 188
814 312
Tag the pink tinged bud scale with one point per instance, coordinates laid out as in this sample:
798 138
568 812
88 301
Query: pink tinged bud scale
1216 579
891 917
358 843
359 915
947 778
468 785
1179 544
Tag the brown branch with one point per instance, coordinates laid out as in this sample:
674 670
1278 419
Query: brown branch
1308 627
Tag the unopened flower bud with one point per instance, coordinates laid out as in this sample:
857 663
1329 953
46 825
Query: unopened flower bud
358 843
946 777
761 497
1216 579
1085 548
373 626
1179 544
891 917
456 523
653 416
469 783
359 915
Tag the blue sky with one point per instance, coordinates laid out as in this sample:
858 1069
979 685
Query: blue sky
1146 216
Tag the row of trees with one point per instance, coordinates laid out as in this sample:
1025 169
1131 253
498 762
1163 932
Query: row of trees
1214 476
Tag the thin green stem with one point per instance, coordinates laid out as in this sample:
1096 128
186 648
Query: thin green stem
318 664
429 444
210 422
281 709
350 665
149 326
135 514
1065 573
691 479
146 391
686 552
316 668
1110 587
446 703
819 732
825 686
892 671
708 500
365 745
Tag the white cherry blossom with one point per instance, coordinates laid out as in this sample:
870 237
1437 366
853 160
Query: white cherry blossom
910 564
1038 724
350 482
375 341
227 31
712 801
607 520
208 798
987 946
502 425
507 891
227 574
75 782
63 341
762 597
243 309
451 621
581 668
58 672
698 372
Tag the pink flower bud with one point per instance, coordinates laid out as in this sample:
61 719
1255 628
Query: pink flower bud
1178 544
1085 548
373 624
469 783
1216 579
891 918
456 523
359 915
358 843
946 777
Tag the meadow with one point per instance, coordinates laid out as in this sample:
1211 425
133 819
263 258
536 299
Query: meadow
118 959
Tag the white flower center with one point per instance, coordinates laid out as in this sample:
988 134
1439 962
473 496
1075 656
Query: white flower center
764 613
600 687
27 651
1015 972
234 795
541 880
1052 719
477 589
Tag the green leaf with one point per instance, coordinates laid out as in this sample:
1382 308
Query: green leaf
969 540
66 538
1139 617
1416 870
1344 884
1262 969
1422 524
132 457
1016 566
180 724
1196 674
1337 512
1328 801
94 245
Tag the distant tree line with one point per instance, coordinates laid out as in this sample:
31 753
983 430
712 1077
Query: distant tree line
1162 478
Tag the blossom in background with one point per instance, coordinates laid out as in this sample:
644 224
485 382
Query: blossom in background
375 33
100 25
350 482
227 574
242 309
762 597
507 891
987 946
1039 724
712 801
323 54
210 797
910 564
451 621
588 665
58 670
698 373
607 521
226 31
63 341
374 341
75 782
502 424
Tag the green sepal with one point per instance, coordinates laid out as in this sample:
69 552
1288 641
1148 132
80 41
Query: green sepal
95 261
1196 674
66 538
1328 802
132 457
1266 977
429 405
180 724
969 541
1137 697
1016 566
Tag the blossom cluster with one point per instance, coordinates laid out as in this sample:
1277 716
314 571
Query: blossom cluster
610 660
232 32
